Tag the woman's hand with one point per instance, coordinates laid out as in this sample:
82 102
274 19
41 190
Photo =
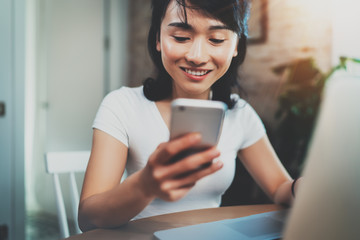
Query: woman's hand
171 181
106 203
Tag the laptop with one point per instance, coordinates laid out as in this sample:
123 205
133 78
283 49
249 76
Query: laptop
327 204
267 225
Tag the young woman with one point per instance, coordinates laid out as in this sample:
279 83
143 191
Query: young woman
197 47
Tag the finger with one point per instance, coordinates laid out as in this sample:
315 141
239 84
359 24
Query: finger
191 163
191 178
177 194
174 147
195 176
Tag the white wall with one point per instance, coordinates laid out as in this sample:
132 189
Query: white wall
68 88
346 31
118 74
30 93
69 84
74 72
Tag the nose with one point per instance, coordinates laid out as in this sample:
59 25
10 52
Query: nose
197 53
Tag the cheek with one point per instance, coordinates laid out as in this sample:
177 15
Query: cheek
222 59
169 51
224 56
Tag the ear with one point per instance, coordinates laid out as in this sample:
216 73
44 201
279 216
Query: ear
235 53
158 46
236 47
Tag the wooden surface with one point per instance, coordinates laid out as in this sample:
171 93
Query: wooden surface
143 229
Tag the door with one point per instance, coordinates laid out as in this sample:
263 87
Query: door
12 72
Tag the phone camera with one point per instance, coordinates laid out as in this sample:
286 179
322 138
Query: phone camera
181 108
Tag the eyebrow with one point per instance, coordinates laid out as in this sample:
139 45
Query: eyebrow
187 26
182 25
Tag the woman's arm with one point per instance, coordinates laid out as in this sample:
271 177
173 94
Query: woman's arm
104 202
265 167
102 191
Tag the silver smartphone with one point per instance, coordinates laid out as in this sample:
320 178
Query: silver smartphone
203 116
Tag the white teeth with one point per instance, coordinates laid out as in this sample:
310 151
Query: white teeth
196 73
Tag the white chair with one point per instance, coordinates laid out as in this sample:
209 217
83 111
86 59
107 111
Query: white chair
66 163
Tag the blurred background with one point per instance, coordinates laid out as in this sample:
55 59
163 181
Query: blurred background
59 58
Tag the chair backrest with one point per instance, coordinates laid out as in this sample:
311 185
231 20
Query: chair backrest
66 163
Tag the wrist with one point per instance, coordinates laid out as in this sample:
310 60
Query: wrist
143 185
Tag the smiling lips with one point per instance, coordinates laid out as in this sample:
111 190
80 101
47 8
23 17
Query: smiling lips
196 75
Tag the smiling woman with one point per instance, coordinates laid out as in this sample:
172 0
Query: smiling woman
197 47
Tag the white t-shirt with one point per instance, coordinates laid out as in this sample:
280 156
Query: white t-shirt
127 115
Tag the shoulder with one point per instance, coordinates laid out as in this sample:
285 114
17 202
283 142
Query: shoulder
124 95
244 119
126 92
242 111
241 105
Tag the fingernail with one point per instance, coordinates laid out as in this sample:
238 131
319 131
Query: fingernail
214 153
219 164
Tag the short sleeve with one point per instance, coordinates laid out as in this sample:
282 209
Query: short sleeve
111 117
253 127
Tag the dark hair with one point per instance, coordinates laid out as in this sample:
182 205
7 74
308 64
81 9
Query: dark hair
233 13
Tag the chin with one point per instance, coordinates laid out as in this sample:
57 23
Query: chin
196 92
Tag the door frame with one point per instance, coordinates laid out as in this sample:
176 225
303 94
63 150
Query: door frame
12 92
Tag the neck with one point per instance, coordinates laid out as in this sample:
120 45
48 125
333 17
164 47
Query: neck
206 95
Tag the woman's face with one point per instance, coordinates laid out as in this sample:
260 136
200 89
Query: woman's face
195 54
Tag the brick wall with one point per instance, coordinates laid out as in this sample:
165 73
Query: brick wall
296 29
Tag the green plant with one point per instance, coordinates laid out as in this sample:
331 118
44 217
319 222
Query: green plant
299 101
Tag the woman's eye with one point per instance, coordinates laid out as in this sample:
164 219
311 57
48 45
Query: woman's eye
217 41
181 39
